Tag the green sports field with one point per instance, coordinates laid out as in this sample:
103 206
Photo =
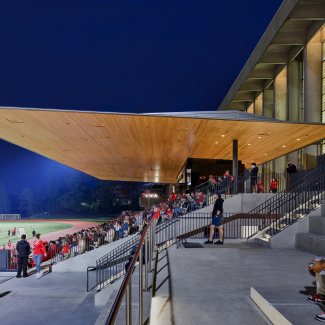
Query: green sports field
40 227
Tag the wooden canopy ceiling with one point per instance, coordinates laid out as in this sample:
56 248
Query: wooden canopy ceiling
147 148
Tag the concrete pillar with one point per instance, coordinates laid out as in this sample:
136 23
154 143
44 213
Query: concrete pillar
251 109
259 105
313 81
235 163
294 157
293 94
280 95
280 164
268 101
313 91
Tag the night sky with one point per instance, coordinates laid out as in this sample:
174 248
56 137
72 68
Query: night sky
119 56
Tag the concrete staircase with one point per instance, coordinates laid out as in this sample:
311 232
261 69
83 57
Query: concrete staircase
264 237
313 241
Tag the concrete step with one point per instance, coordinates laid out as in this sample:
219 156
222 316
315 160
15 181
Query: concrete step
317 225
310 243
262 241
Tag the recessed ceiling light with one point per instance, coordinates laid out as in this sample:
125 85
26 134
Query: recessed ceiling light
223 135
98 125
259 137
283 146
216 142
249 144
298 139
266 154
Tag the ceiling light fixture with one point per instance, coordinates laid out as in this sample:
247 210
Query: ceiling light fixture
216 142
283 146
259 137
249 144
223 135
298 139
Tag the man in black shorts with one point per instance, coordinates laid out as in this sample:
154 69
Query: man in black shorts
23 250
216 220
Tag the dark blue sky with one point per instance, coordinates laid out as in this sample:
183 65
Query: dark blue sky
120 56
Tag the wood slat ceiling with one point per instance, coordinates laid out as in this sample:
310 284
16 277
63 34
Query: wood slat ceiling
147 148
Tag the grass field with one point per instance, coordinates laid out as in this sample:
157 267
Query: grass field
42 228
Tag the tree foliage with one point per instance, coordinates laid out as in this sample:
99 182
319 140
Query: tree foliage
4 199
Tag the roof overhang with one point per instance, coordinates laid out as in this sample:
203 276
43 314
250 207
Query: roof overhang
150 147
293 26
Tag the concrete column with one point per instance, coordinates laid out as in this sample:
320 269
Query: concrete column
259 105
294 157
313 81
268 101
280 165
235 163
312 91
280 95
293 87
250 108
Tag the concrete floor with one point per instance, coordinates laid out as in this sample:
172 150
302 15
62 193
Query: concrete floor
56 298
212 285
207 285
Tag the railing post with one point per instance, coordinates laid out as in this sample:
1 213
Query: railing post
150 247
128 303
146 261
140 287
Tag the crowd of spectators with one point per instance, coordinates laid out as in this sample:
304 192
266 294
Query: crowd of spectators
129 222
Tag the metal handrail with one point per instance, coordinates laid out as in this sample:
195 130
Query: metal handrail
126 284
205 184
313 173
290 198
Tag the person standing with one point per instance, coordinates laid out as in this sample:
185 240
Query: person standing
291 168
9 233
274 185
9 244
253 175
39 250
216 220
33 233
23 249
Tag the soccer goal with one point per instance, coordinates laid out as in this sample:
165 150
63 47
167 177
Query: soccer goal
10 216
21 231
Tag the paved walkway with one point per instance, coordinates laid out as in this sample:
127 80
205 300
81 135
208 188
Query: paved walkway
211 285
56 298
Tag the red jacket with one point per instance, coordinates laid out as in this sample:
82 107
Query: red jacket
274 185
39 248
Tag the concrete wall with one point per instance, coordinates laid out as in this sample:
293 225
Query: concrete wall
81 262
240 203
286 239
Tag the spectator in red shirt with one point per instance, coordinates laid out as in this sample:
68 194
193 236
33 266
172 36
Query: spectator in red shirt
65 250
39 250
274 185
156 213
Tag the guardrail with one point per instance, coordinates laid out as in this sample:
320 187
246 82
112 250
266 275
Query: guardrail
286 208
146 243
